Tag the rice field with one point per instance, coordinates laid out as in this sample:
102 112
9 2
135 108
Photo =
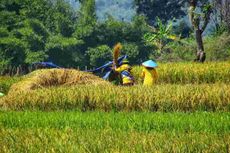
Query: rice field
206 122
107 140
166 98
190 73
71 111
114 132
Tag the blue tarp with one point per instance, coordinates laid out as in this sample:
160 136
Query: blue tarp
107 68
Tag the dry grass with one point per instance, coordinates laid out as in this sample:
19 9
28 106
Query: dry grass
6 82
55 77
165 97
186 73
181 87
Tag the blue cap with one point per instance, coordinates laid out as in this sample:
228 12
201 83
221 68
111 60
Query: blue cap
150 63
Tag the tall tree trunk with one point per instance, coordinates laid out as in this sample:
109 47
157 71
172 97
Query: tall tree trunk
201 56
200 46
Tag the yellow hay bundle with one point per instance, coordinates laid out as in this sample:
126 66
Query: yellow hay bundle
116 52
55 77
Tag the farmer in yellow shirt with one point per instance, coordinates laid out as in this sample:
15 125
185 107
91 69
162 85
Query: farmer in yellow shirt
149 73
125 72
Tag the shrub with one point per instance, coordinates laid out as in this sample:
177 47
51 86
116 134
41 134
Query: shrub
99 55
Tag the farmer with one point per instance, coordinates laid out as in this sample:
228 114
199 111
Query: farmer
125 73
149 73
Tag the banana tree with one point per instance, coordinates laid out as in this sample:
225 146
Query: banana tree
160 36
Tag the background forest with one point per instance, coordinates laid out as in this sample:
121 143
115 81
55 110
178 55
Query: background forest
82 33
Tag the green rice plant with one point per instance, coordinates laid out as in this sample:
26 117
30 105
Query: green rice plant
114 132
164 97
109 140
202 122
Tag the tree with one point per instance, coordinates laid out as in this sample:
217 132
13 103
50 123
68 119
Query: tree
199 22
223 9
164 9
130 34
65 18
64 51
87 19
132 51
85 28
160 36
99 55
12 52
37 30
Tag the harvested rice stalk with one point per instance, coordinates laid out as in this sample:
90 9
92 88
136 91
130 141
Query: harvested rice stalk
55 77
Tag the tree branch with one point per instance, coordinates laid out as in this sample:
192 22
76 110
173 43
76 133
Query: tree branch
192 8
206 18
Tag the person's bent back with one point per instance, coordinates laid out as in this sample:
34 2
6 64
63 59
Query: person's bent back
124 70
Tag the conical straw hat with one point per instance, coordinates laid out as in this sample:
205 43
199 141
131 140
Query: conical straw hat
150 64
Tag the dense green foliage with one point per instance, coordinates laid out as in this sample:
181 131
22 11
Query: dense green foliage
41 30
217 48
167 10
34 30
54 31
